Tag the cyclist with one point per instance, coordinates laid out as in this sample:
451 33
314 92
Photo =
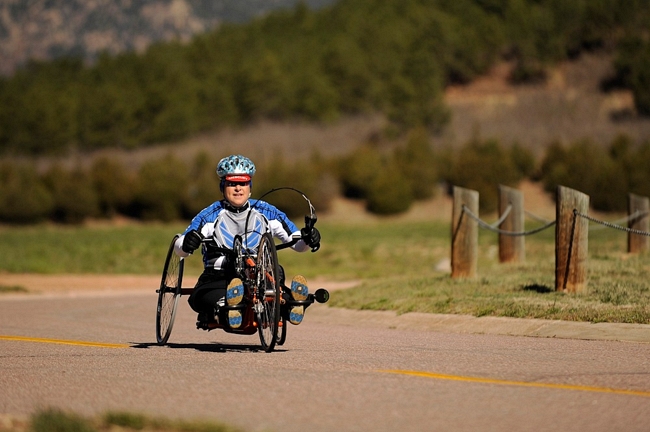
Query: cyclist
222 221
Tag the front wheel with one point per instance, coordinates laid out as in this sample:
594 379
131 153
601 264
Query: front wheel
168 294
282 332
268 293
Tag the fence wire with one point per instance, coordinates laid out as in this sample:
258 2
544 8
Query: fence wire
634 216
535 217
503 216
490 227
613 225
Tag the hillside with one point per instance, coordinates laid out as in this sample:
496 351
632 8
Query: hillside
390 60
43 30
300 84
570 106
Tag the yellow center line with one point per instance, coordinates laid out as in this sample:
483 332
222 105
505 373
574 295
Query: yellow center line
519 383
63 341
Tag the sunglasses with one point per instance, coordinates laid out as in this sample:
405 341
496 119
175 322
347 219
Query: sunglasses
235 183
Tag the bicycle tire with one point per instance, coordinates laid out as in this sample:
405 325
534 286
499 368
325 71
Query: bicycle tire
282 333
169 293
267 278
238 252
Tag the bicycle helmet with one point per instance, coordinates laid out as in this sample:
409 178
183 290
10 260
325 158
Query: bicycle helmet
235 168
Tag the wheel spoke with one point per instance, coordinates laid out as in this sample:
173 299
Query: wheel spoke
168 294
268 293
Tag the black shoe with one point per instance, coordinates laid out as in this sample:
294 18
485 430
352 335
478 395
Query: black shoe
207 317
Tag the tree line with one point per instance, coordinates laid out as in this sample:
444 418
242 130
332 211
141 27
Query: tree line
393 57
387 180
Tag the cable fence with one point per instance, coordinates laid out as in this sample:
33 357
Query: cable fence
534 217
503 217
617 223
492 227
572 225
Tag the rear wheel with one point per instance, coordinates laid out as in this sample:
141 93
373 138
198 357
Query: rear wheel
268 293
168 294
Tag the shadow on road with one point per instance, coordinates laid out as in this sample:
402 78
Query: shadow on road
209 347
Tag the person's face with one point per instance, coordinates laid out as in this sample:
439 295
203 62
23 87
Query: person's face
237 193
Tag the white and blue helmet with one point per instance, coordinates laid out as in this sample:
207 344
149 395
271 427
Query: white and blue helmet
236 168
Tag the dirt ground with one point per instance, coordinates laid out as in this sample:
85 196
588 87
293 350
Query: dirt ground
73 283
90 284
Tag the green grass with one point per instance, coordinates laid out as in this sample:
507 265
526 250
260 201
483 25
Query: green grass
132 249
395 263
618 288
12 289
56 420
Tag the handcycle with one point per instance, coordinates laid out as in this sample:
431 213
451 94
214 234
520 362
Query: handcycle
265 306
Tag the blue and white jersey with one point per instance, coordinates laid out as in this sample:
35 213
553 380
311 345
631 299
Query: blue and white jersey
222 223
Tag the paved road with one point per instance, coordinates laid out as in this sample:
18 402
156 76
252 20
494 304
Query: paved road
336 372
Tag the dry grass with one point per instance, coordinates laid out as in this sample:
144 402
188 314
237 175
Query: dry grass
570 106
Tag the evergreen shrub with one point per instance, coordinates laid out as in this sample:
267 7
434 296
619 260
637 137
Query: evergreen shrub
307 177
390 191
161 190
632 66
24 198
75 198
203 184
383 179
417 163
482 166
588 168
113 185
358 170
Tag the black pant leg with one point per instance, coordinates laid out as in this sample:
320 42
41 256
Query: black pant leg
210 287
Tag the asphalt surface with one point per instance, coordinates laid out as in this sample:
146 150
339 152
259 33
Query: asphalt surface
93 285
94 352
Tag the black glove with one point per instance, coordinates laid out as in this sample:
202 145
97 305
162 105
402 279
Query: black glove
192 241
311 236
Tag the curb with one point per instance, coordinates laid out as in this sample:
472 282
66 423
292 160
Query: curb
449 323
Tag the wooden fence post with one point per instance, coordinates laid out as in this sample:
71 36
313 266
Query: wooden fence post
511 248
571 240
464 234
637 243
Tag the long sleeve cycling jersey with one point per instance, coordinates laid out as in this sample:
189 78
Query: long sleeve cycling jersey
222 222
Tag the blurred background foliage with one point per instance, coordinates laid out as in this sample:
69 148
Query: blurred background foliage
389 57
393 57
388 180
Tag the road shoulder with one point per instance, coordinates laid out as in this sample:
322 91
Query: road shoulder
448 323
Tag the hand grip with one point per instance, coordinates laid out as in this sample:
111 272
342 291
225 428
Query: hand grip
310 221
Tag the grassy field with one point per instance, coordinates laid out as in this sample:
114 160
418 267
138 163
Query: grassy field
400 266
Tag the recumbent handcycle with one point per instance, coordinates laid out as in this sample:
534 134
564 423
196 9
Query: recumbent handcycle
264 308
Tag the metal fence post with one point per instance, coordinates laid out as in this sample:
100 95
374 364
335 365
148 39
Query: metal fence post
511 248
571 240
464 234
